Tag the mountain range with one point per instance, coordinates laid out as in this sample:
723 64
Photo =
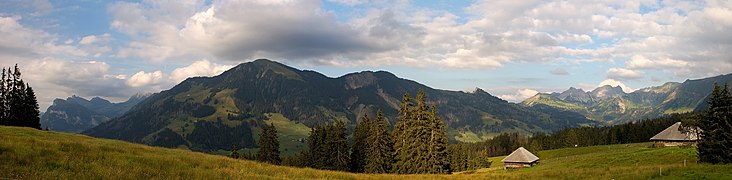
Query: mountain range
76 114
214 113
611 105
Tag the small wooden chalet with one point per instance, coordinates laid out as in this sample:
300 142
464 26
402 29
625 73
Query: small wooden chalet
673 136
520 158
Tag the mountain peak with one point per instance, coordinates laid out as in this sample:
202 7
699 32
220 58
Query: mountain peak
607 92
575 95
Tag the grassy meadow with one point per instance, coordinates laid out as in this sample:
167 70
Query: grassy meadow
32 154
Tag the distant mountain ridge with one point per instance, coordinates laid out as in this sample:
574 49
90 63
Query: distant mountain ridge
611 105
240 99
76 114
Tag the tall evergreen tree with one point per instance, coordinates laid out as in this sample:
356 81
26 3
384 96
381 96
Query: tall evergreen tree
360 145
336 141
380 154
420 146
31 110
716 136
317 153
438 154
399 134
3 99
269 146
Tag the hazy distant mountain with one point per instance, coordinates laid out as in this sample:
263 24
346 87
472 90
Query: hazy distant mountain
612 105
76 114
192 112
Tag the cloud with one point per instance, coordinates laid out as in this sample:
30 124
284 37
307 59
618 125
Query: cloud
143 78
559 71
615 83
91 39
641 62
198 68
494 33
622 73
520 95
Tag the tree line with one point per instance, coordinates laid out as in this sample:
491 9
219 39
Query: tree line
18 104
416 145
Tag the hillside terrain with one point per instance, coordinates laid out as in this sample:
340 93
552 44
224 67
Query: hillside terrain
76 114
610 105
32 154
215 113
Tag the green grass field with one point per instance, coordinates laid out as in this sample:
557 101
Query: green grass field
31 154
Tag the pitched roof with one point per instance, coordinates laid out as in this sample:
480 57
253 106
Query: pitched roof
672 133
520 155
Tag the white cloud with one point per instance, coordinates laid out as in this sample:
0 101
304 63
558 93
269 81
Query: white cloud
622 73
615 83
91 39
143 78
198 68
520 95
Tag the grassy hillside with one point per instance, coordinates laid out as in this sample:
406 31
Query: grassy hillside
31 154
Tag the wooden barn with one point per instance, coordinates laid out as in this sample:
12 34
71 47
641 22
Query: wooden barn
520 158
672 136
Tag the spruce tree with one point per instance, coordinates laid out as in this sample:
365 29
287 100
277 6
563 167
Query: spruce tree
421 143
380 154
400 137
317 151
269 146
438 155
30 104
360 145
3 99
337 144
716 126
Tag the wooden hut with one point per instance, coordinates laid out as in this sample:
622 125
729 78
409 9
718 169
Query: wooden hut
672 136
520 158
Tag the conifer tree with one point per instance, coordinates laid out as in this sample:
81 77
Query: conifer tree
400 136
269 146
3 99
31 111
716 126
438 155
317 151
337 144
421 144
380 154
360 145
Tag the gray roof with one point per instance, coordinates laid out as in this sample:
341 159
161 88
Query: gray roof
520 155
672 133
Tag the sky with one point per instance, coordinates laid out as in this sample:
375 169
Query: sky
511 49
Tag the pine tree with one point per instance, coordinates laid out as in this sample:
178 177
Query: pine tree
3 99
380 154
317 151
421 142
400 135
337 142
269 146
716 126
30 104
438 154
360 145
